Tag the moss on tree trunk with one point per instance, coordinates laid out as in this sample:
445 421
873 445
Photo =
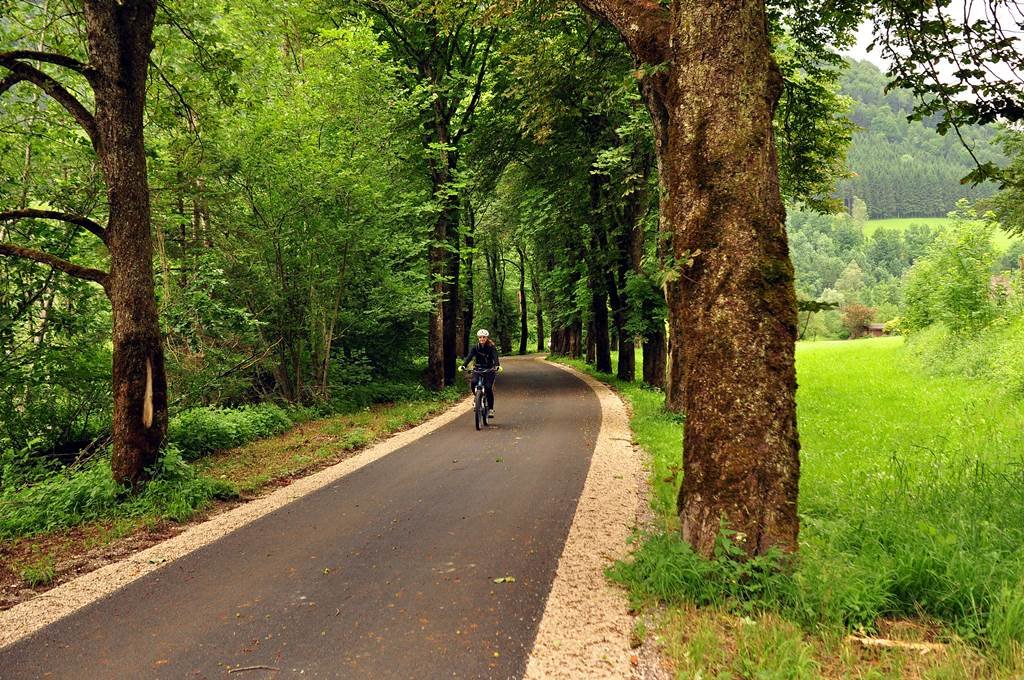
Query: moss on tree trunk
732 309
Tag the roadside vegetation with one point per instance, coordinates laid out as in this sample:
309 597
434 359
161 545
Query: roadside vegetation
322 201
912 511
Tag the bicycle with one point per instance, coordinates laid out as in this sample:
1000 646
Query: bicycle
480 409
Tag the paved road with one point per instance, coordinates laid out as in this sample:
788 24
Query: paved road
387 573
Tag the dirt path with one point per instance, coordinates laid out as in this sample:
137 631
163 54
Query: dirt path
388 571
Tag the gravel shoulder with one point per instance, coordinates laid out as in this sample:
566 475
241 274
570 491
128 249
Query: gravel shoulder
586 628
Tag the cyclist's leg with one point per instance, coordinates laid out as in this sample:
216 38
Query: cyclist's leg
489 387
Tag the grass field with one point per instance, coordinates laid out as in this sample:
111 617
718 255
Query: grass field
1001 239
912 511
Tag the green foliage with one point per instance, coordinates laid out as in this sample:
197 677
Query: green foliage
812 129
951 283
39 572
88 492
1009 202
201 431
647 308
992 354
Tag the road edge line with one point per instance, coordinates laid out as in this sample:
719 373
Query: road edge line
586 626
26 618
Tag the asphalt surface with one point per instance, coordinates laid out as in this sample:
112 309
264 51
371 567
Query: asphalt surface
386 573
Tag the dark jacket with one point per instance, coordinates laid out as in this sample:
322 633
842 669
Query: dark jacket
486 356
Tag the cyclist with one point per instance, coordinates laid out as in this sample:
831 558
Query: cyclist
485 355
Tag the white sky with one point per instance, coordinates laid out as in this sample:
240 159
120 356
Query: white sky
860 50
1010 18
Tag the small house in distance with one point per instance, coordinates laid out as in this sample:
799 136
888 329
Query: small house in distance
874 330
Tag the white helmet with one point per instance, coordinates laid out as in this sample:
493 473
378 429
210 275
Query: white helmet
482 333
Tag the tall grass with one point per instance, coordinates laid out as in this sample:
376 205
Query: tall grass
911 504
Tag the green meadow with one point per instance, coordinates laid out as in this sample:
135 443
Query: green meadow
1001 239
912 513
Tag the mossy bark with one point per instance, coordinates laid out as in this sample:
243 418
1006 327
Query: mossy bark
732 311
737 307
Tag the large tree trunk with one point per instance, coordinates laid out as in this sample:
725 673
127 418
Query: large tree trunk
737 309
442 257
556 340
452 299
575 340
469 299
120 40
621 340
732 312
434 377
675 386
631 251
656 91
591 353
602 345
598 345
439 340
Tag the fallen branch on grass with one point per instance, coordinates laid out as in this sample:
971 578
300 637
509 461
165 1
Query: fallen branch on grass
922 647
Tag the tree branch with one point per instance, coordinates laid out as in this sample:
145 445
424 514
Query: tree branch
9 82
78 271
31 213
57 91
48 57
396 36
643 24
467 115
190 113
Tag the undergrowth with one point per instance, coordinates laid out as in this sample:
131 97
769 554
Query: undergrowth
88 492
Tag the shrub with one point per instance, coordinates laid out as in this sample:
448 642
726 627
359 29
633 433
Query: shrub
856 317
63 499
896 326
992 354
200 431
88 492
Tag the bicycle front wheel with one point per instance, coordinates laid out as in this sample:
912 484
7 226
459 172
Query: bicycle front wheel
478 405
